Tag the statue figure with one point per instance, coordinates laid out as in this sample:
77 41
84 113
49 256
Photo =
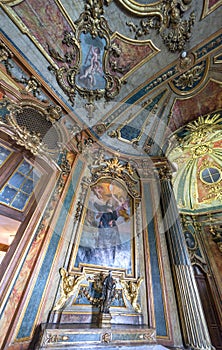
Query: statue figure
69 286
131 290
108 292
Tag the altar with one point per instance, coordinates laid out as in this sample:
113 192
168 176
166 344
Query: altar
83 336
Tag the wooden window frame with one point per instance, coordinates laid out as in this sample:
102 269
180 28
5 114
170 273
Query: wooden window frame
32 212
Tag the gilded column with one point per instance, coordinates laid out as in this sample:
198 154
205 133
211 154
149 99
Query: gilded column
195 331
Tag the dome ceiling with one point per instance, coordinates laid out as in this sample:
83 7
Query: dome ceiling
197 157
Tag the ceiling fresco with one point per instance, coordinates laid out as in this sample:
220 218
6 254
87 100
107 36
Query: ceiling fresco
198 160
130 73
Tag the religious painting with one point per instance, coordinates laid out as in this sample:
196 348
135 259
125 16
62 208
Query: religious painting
106 237
91 74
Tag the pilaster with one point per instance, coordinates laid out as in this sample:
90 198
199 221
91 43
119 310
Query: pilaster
194 326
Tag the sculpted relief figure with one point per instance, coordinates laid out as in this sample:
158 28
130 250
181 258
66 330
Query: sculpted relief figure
131 291
69 286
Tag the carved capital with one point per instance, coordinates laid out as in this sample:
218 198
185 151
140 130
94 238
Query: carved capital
165 173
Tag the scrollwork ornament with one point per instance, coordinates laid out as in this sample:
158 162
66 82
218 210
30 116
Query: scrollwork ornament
178 31
65 166
23 137
53 113
150 336
82 67
190 78
55 338
32 85
197 134
166 18
114 168
106 337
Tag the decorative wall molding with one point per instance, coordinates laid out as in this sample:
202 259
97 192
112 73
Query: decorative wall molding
190 80
91 80
35 136
166 18
115 168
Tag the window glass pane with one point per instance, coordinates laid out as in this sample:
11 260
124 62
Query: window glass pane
16 180
25 168
211 175
28 186
4 154
213 171
215 174
20 201
19 188
35 176
205 173
215 177
7 194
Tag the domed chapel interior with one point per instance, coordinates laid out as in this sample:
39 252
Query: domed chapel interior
111 174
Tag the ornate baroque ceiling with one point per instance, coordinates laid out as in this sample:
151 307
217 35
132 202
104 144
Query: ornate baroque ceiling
130 72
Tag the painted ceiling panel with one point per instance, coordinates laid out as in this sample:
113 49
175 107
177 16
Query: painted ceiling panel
141 56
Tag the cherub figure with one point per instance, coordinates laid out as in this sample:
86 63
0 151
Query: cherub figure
69 286
94 67
131 291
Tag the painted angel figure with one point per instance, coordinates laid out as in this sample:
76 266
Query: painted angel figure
95 66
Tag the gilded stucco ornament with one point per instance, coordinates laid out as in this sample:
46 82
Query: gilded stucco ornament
5 55
131 292
24 133
55 338
25 138
198 134
114 168
166 18
197 156
215 192
82 66
68 288
216 232
97 287
164 173
53 113
189 78
31 85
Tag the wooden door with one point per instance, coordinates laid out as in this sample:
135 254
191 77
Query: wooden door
209 307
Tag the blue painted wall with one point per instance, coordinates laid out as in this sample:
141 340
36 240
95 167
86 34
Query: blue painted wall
161 328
